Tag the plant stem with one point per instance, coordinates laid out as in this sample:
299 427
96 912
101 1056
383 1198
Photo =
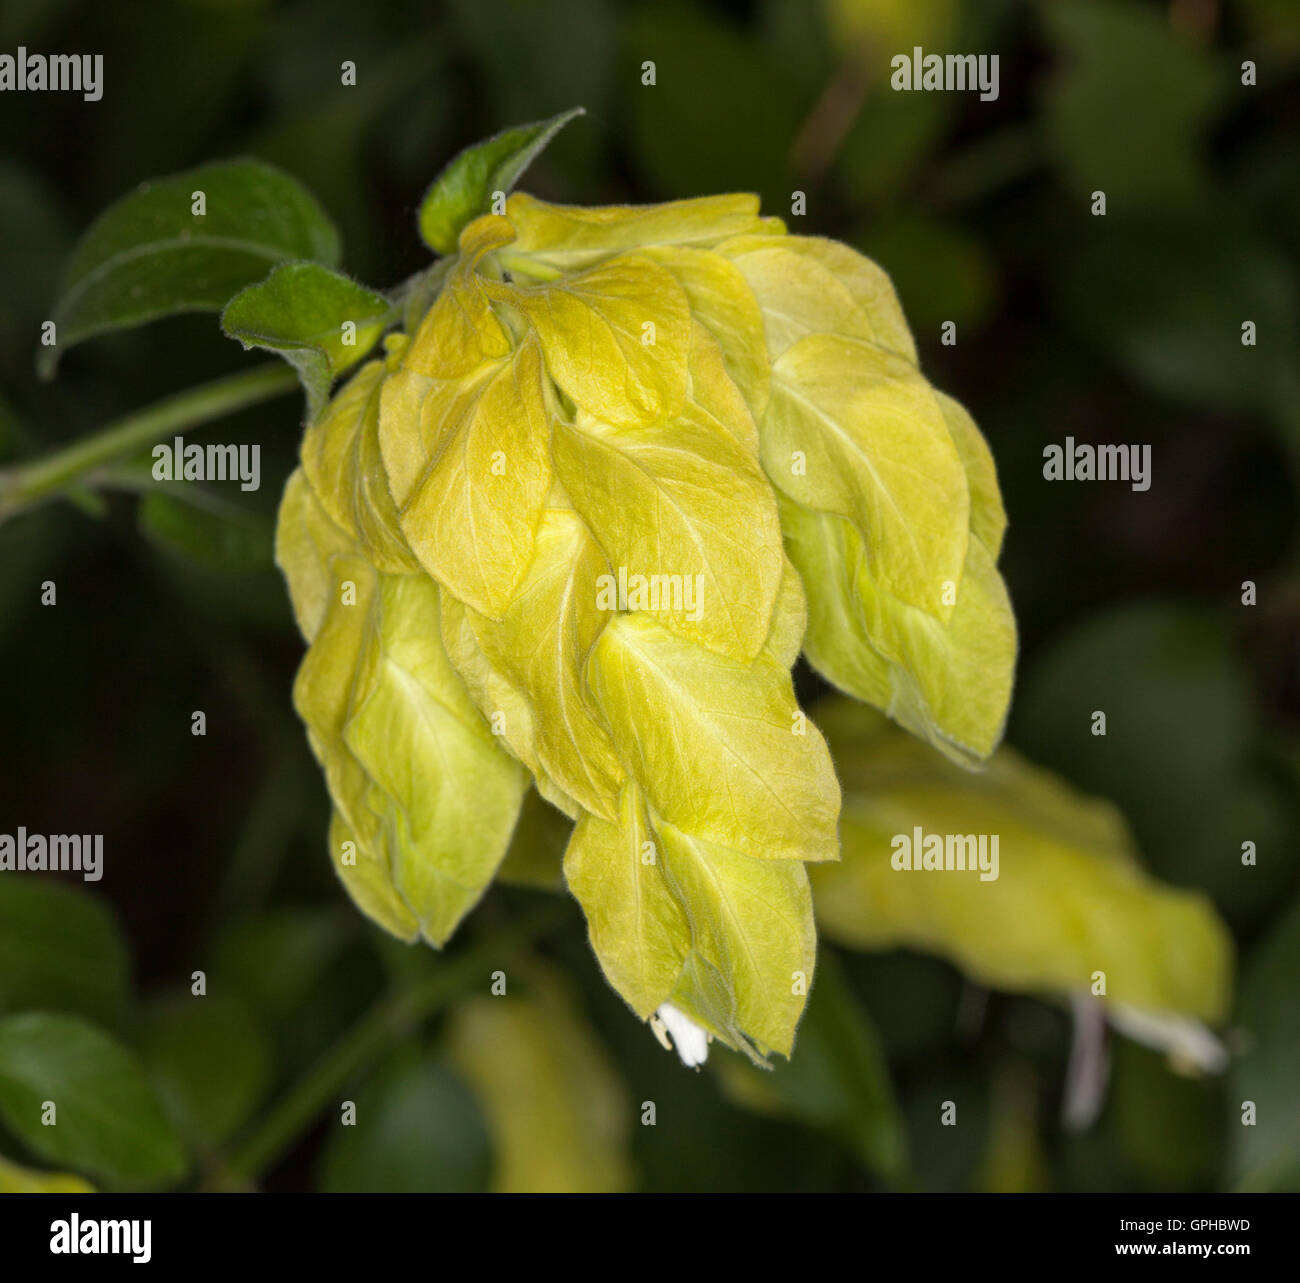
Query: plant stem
46 477
363 1044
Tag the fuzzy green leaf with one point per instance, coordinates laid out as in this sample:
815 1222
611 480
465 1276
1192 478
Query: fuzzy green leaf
149 255
319 320
464 189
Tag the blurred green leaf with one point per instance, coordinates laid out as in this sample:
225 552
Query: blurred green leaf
27 1180
299 311
889 143
1167 298
61 948
1266 1156
1126 111
1177 753
210 1063
941 272
464 189
149 255
339 139
837 1077
1068 899
1276 25
948 1145
418 1129
37 236
707 70
1165 1126
276 959
536 57
108 1121
200 527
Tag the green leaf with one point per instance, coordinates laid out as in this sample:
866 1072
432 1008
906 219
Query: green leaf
419 1129
838 1080
1069 898
210 1062
1267 1155
61 948
150 256
108 1121
464 189
1128 74
201 527
300 311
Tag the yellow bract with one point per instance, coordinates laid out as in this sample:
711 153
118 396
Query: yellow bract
577 528
1068 901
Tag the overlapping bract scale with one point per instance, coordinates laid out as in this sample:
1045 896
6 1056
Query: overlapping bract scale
576 529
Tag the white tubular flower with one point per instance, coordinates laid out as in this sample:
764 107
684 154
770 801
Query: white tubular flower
688 1039
1190 1046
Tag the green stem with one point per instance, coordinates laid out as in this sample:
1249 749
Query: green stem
47 477
367 1040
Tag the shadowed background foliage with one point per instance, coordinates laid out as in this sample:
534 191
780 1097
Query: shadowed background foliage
1116 329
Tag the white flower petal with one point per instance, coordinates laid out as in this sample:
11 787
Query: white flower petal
691 1042
1187 1041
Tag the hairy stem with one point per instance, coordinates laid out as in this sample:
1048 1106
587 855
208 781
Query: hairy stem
49 476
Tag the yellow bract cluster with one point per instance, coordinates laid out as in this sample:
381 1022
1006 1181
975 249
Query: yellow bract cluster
577 530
